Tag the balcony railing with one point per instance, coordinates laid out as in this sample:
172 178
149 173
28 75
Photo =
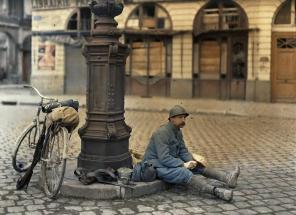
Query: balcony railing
26 22
149 1
45 4
15 20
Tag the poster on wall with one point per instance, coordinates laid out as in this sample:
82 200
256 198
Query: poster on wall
46 57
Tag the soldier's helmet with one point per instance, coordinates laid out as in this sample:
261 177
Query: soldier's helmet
177 110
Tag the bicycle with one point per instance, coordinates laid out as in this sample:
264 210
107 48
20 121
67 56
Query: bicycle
22 158
50 144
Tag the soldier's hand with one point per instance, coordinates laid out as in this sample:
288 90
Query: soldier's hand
190 164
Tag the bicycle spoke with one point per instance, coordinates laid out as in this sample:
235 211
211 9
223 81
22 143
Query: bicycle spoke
59 147
50 146
54 163
23 154
51 178
55 177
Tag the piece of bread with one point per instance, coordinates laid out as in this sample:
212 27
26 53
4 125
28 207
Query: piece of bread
200 159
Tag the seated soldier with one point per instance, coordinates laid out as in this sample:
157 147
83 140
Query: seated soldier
175 164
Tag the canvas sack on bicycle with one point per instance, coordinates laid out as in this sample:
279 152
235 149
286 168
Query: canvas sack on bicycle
67 116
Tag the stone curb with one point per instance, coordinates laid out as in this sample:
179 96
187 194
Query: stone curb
72 187
197 111
205 107
164 110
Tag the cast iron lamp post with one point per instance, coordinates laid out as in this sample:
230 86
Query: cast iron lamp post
105 136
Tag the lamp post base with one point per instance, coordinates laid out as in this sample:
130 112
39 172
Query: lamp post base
104 145
105 158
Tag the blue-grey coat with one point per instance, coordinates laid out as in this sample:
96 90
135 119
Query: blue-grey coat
168 153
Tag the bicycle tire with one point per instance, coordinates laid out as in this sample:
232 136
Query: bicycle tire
50 185
22 165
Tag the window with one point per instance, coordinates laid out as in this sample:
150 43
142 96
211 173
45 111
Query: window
149 11
238 60
286 43
230 18
3 7
80 20
286 13
27 9
211 19
82 2
85 19
50 3
72 24
13 7
149 16
220 15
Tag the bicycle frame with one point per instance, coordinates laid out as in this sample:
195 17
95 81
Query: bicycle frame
36 119
34 129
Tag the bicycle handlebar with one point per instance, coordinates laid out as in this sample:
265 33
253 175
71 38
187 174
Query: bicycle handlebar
39 94
28 86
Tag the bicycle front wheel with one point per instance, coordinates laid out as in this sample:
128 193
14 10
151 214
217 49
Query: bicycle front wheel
25 146
53 161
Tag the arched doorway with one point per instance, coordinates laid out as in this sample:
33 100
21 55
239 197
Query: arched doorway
148 67
283 63
7 56
76 69
4 58
220 47
26 60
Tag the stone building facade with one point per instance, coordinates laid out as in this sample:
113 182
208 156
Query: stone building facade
15 41
220 49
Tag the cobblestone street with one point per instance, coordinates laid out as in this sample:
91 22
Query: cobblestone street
265 148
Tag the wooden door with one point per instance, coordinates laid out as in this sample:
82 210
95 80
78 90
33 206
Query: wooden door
220 67
139 62
209 74
157 69
3 63
148 68
238 67
284 67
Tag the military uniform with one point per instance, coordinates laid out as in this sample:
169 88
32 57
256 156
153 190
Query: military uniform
168 154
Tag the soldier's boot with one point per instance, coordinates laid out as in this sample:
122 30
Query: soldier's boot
203 186
224 194
230 179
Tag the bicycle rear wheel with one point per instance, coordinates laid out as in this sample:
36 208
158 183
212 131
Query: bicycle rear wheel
53 161
25 146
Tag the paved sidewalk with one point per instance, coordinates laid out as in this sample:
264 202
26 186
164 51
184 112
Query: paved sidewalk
159 104
264 148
